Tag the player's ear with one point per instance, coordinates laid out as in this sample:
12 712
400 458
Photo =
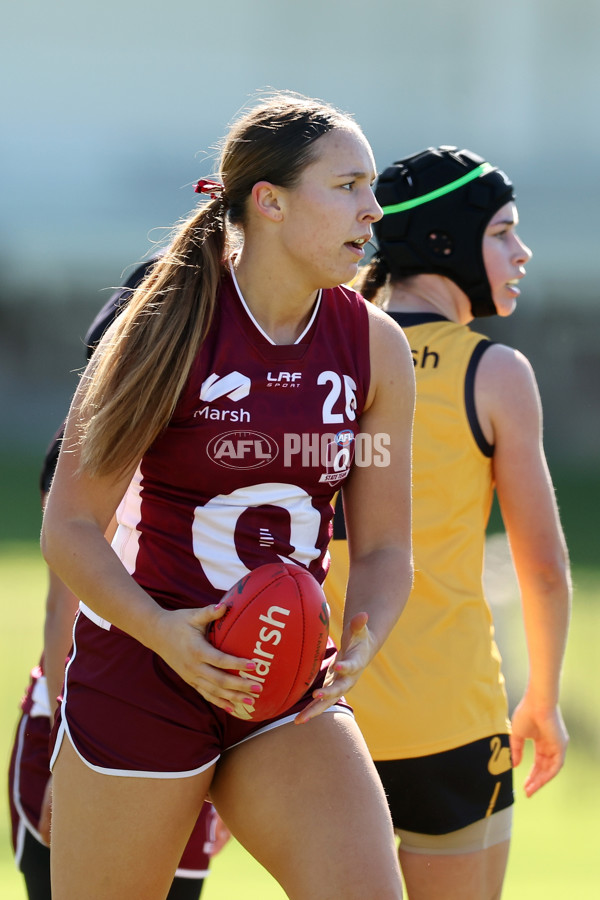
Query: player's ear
266 200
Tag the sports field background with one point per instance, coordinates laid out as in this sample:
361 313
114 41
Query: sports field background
554 851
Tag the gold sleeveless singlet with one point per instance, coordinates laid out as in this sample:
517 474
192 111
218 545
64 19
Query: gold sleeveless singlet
436 684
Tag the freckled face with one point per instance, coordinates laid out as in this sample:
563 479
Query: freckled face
505 256
329 214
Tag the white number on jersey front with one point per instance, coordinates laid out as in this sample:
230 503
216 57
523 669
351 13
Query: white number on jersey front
213 530
329 416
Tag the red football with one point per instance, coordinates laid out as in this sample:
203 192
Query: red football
278 617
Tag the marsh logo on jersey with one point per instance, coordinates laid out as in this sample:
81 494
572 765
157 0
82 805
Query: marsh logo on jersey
235 386
242 450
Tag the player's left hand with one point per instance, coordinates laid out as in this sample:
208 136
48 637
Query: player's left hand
357 648
549 735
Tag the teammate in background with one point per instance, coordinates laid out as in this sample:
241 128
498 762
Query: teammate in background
29 773
432 704
30 808
249 285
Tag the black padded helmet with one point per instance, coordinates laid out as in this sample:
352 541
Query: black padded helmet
436 206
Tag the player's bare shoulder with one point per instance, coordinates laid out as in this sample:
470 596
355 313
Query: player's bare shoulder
380 323
506 392
503 371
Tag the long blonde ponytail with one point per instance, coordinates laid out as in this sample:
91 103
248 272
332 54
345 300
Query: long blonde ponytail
137 373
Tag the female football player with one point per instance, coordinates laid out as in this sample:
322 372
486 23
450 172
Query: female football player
432 705
249 288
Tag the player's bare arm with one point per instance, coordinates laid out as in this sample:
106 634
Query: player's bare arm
78 512
378 514
507 396
377 500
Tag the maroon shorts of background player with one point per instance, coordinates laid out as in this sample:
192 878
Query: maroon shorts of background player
28 776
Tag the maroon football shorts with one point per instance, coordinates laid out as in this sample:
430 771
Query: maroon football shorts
28 777
128 713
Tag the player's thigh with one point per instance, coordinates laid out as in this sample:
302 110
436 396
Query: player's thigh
306 801
114 838
466 876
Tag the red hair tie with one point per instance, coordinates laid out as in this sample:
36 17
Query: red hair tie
205 186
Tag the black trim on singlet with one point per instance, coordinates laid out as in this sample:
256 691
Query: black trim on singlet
486 448
339 523
407 319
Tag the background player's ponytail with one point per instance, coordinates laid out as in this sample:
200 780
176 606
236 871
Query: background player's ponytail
371 278
140 368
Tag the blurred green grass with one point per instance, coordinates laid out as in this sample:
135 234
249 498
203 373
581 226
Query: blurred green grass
577 491
552 854
553 851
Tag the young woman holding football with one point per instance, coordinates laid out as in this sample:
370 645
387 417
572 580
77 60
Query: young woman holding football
249 288
432 705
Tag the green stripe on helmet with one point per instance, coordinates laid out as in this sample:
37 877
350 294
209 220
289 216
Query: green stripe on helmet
483 169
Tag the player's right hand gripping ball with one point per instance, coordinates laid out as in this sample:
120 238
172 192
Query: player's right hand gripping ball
279 618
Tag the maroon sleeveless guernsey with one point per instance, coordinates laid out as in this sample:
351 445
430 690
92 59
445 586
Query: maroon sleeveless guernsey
261 439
